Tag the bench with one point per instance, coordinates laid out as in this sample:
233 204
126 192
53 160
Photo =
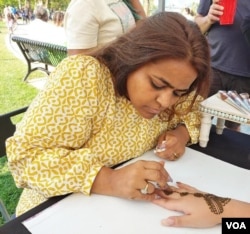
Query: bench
40 55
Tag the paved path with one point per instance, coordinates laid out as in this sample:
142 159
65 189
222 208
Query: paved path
21 30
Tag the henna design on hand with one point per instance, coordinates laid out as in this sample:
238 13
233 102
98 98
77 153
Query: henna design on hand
168 191
214 202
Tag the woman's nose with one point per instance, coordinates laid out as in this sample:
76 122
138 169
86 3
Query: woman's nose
166 99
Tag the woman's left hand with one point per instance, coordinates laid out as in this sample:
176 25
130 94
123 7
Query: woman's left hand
197 207
171 144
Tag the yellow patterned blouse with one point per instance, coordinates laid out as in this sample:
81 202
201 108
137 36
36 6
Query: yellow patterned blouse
75 126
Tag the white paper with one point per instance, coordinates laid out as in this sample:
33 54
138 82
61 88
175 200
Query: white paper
77 214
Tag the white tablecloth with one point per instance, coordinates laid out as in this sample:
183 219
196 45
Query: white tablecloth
77 214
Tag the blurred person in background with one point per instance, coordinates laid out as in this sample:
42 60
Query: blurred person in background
92 23
11 21
58 18
230 53
41 29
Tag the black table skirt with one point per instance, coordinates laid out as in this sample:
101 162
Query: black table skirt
232 147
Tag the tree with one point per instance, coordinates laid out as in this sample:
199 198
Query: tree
55 4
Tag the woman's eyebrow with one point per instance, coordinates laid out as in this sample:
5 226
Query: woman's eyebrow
171 86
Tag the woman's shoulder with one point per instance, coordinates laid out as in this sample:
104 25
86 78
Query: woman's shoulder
85 67
82 60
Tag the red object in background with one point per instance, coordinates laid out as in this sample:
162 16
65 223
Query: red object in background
229 11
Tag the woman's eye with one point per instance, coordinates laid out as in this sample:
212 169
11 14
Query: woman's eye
179 94
156 86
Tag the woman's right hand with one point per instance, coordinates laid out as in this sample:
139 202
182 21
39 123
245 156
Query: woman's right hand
130 181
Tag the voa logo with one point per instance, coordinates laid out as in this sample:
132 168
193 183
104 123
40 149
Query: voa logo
236 225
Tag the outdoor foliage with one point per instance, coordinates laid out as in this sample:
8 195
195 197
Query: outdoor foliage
51 4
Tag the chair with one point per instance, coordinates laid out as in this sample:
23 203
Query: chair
7 129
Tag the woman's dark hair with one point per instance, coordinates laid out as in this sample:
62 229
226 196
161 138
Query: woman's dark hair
166 35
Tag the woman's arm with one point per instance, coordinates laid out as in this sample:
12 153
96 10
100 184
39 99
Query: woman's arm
183 128
48 152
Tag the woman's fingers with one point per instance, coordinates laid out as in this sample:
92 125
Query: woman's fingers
156 174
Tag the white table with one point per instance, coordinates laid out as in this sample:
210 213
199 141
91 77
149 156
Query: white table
77 214
215 107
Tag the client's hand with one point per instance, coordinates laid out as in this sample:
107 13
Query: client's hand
199 209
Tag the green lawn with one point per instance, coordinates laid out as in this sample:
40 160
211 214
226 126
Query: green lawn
14 94
9 192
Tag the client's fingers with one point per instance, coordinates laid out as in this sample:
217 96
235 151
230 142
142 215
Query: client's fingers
178 221
186 187
170 204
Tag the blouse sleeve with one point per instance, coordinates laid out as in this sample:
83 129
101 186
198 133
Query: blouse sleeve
47 151
191 118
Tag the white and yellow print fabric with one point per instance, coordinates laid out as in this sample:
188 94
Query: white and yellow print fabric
75 126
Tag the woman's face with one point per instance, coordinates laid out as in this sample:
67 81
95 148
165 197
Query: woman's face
157 86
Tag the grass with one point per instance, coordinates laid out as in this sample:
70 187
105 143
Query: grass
9 192
14 94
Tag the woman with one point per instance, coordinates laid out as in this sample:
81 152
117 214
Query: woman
199 209
113 105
